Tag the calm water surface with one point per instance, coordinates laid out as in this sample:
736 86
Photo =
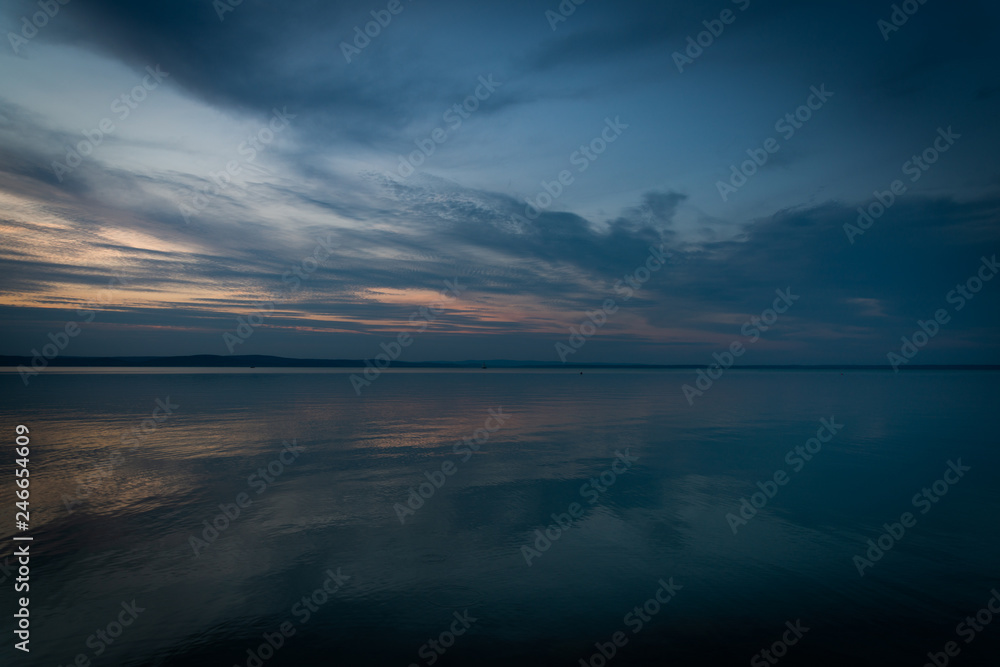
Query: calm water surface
113 521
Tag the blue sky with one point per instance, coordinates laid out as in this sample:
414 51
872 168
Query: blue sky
256 137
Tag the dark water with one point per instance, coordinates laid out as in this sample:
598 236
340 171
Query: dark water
330 508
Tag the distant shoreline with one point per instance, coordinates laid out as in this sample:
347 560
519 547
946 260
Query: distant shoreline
263 361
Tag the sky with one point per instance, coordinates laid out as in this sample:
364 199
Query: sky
302 178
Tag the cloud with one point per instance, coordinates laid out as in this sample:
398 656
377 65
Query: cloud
529 277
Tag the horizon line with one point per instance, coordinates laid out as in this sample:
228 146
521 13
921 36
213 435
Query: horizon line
275 361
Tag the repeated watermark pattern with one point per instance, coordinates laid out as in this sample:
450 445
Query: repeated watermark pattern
30 25
924 501
752 330
454 116
625 288
796 459
60 340
292 279
959 297
562 13
432 651
968 629
104 638
635 621
248 150
582 158
436 479
259 482
392 350
95 479
363 36
779 649
122 106
591 491
915 168
787 126
900 14
714 28
303 611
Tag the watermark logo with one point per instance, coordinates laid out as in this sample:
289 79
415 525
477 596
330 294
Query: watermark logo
591 491
787 126
362 38
924 501
915 168
796 459
897 19
752 329
38 20
713 30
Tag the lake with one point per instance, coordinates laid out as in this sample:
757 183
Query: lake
488 517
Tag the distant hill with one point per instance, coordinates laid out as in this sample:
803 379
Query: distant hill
266 361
